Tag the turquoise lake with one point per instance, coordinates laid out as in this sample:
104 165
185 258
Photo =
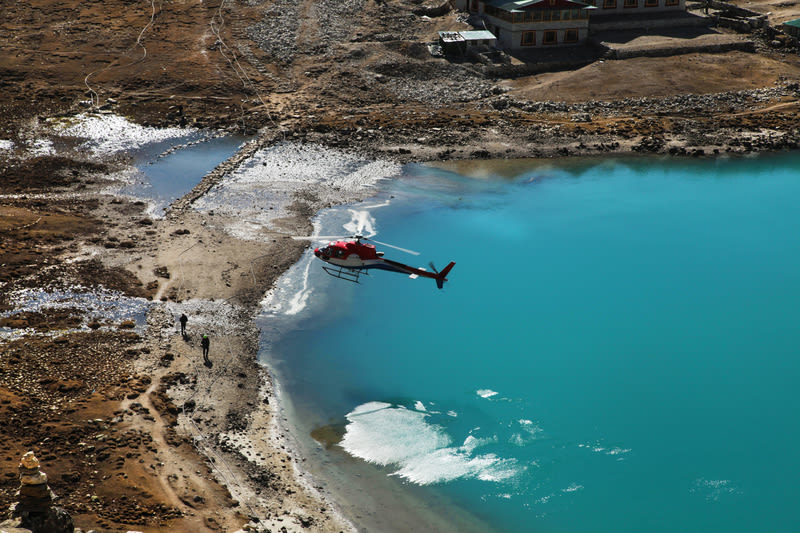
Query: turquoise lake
617 348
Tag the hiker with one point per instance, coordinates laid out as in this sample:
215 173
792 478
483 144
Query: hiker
205 344
184 320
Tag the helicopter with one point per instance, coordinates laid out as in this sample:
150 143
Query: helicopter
349 259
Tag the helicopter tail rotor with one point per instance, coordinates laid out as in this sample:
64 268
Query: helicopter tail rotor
441 277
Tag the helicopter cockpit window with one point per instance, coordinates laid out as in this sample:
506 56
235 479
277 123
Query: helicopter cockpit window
339 253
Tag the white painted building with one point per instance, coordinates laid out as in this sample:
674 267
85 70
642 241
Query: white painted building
523 24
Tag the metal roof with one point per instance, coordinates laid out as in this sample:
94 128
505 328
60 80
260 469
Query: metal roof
450 36
477 35
794 23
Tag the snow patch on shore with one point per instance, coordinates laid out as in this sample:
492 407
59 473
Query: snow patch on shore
216 318
109 134
262 189
41 147
106 306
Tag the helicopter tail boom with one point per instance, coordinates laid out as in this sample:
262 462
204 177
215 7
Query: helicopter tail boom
440 277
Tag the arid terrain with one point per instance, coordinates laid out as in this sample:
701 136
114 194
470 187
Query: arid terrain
119 414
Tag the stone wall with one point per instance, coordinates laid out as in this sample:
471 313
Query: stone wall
737 18
718 48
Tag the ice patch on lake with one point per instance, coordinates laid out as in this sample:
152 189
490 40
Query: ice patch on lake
713 489
299 298
292 293
107 134
361 223
617 451
614 451
421 452
529 431
486 393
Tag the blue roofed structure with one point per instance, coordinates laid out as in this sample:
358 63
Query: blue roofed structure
792 27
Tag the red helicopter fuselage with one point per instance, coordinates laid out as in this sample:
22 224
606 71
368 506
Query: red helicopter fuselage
352 257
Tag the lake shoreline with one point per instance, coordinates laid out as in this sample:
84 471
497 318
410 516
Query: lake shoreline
199 236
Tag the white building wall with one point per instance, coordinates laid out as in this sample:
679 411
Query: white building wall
509 36
642 7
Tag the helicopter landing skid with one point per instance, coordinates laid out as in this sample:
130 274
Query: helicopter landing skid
344 273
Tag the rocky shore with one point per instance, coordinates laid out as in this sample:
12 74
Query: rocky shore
133 431
739 122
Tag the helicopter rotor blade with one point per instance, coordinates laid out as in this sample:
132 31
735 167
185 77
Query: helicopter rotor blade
433 267
357 237
319 237
412 252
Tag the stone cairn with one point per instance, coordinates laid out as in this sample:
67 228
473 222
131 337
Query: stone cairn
34 509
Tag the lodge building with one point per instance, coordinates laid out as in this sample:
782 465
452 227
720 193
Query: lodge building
522 24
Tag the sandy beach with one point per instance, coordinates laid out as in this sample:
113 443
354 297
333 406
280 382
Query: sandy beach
134 432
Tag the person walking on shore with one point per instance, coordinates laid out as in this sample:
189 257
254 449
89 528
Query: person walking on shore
184 320
205 343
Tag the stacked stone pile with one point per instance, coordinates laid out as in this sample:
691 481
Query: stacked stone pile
34 510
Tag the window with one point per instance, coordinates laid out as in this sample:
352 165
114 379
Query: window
555 15
571 35
473 6
519 18
650 3
550 37
609 4
528 38
671 2
631 3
